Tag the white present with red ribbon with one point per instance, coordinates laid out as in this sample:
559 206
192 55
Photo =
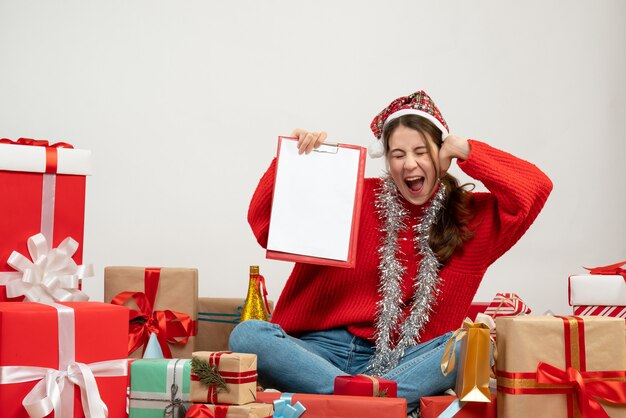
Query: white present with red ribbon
603 286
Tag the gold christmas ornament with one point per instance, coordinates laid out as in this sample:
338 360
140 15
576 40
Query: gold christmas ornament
256 306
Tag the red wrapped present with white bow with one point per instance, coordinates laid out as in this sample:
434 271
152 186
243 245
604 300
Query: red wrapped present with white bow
43 187
63 360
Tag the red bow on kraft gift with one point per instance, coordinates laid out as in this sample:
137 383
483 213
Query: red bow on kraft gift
169 326
610 269
51 150
581 387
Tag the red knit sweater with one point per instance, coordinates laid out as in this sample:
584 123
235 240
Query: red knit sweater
320 297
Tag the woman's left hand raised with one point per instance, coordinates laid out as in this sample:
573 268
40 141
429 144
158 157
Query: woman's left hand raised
453 146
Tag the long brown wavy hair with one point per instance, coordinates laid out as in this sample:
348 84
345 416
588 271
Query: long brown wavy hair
450 230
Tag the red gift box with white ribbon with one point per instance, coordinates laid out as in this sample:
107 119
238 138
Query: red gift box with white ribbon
60 359
43 190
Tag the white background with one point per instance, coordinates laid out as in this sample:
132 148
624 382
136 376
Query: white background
181 103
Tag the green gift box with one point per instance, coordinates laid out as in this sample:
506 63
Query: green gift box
159 387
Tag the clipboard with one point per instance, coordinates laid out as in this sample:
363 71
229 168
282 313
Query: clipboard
316 204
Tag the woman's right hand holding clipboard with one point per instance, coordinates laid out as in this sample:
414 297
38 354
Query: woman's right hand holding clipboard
308 141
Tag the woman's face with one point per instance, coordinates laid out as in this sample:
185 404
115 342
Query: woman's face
410 164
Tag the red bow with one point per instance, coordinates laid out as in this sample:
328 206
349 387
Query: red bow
610 269
169 326
586 391
36 143
202 411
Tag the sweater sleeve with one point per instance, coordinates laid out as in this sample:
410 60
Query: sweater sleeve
261 205
519 191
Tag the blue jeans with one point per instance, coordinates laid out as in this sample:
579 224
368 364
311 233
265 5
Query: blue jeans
309 364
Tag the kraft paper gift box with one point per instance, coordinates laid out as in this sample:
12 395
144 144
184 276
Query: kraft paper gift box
450 406
159 387
554 366
341 406
364 385
85 338
162 301
236 373
251 410
43 190
217 317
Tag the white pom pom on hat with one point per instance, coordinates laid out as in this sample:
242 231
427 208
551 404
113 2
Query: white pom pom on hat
418 103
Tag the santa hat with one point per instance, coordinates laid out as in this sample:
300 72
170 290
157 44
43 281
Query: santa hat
418 103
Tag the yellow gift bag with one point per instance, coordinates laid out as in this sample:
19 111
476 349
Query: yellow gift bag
472 379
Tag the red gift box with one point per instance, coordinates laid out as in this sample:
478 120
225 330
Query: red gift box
45 185
86 339
476 308
433 406
364 385
341 406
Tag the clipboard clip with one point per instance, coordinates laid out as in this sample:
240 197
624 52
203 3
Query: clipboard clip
330 149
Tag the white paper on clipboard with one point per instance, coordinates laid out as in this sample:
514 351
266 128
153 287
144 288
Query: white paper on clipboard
314 202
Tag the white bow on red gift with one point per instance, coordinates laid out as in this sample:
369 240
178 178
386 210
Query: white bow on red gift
50 275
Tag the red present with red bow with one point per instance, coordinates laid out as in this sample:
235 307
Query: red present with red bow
163 301
59 360
365 385
43 187
561 366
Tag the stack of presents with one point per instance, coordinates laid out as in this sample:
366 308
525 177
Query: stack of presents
155 349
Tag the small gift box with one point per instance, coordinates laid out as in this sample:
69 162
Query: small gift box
611 311
340 406
159 387
45 185
223 377
251 410
163 301
451 406
63 359
365 385
561 366
216 319
603 286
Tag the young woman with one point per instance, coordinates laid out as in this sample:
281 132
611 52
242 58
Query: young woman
423 248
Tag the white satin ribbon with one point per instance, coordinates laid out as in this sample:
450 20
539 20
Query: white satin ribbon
51 276
54 390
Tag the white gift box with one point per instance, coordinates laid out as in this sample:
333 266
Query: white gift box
597 289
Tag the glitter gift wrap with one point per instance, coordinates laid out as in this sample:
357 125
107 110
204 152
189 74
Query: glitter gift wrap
169 298
364 385
558 366
435 406
251 410
238 371
159 386
43 190
341 406
83 338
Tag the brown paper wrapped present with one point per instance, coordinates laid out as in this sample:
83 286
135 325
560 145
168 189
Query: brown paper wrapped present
251 410
216 319
554 366
223 377
162 301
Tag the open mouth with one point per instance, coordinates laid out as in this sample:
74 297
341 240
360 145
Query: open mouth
414 184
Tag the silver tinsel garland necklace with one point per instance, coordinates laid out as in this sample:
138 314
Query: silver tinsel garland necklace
392 215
